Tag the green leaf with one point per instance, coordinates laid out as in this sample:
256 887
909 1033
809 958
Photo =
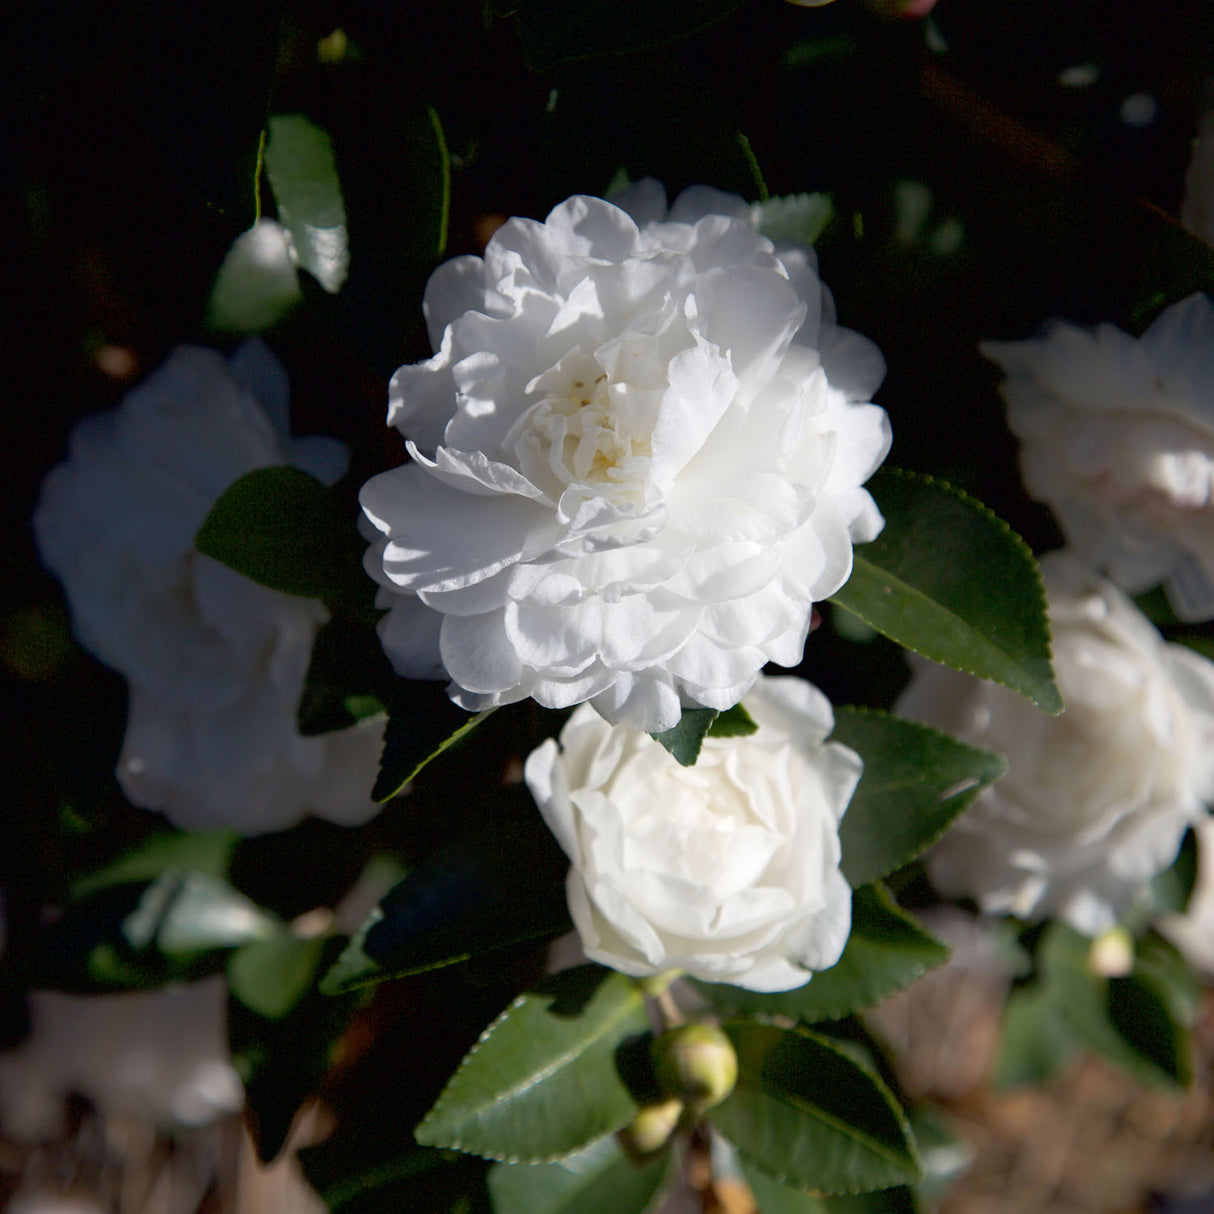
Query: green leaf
283 529
543 1079
734 722
430 189
348 679
951 581
423 723
302 171
270 976
602 1179
463 902
257 284
553 31
1130 1020
1037 1038
811 1116
208 853
686 739
887 950
284 1036
1171 889
775 1198
916 782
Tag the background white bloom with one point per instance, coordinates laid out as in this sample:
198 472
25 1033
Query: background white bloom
728 870
1117 436
159 1055
1095 801
215 662
637 461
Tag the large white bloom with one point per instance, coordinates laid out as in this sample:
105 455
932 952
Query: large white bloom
1117 436
1095 801
637 461
728 870
215 662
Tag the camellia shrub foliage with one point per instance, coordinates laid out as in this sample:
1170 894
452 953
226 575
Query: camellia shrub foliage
524 543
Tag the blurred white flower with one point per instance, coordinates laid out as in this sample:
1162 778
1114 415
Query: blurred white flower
728 870
158 1055
215 662
1095 801
637 461
1117 436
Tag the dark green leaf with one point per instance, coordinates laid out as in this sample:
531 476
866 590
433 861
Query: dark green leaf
602 1179
951 581
686 739
1037 1038
554 32
887 950
1162 962
734 722
463 902
1129 1019
429 167
284 1035
811 1116
303 175
775 1198
423 723
543 1080
916 782
349 678
282 528
1171 889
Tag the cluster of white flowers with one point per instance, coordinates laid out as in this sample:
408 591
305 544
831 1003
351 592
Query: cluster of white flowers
215 663
1095 801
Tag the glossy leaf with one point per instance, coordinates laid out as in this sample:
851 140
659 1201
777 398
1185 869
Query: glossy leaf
302 171
193 912
887 950
951 581
553 32
916 782
602 1179
423 723
811 1116
543 1079
283 529
686 739
463 902
776 1198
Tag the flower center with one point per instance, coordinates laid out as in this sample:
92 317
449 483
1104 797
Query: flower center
582 432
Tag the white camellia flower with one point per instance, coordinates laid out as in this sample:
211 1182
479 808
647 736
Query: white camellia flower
1117 436
1095 801
728 870
637 461
215 662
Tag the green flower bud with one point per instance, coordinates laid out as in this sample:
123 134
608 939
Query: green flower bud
652 1127
697 1063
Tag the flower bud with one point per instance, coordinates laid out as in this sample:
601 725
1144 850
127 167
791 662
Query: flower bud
1111 955
652 1127
697 1063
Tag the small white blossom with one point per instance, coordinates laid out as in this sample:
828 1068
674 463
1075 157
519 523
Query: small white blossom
1095 801
637 461
728 870
215 662
1117 436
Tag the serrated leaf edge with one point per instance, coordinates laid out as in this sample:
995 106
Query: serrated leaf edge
981 508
